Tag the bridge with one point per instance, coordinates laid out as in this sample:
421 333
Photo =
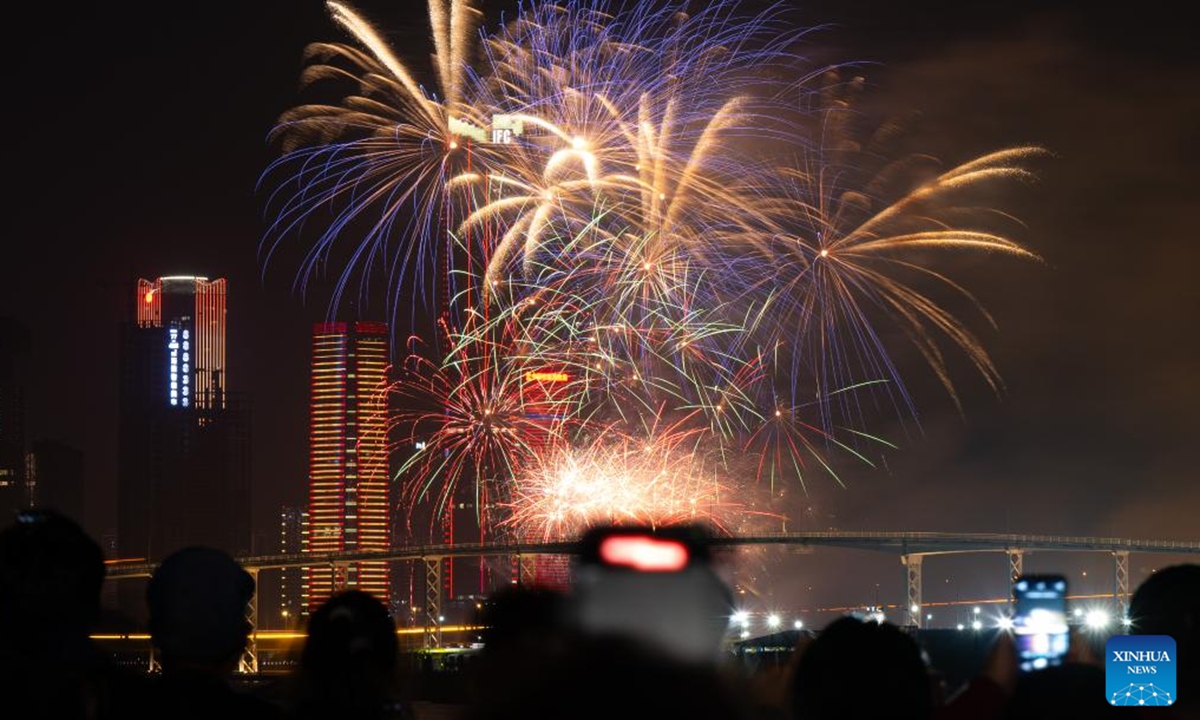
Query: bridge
912 548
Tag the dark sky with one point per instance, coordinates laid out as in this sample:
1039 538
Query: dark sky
137 133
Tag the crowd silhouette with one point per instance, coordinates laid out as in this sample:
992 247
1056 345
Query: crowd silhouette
536 661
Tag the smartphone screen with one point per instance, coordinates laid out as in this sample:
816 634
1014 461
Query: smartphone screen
1040 620
654 586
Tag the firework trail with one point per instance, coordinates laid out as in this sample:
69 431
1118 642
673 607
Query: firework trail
378 162
860 259
653 261
469 416
631 119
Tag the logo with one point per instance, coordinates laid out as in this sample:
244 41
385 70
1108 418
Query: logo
1140 670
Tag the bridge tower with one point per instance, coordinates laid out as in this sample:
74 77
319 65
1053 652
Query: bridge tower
912 566
1121 582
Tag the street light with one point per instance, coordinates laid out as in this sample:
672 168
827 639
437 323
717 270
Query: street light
1097 619
798 624
977 625
772 621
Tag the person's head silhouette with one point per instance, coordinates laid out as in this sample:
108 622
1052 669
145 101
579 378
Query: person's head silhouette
50 577
349 660
351 632
1168 603
857 669
197 600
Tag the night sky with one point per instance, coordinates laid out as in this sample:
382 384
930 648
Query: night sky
138 132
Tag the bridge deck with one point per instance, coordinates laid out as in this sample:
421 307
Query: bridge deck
904 543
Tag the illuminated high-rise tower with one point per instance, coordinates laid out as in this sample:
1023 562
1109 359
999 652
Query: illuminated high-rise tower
349 498
191 310
184 453
291 580
545 393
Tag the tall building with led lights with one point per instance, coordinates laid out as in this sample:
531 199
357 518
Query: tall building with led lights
184 447
544 394
190 312
292 520
349 496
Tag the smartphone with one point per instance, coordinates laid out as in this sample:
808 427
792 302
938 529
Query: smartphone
655 585
1039 622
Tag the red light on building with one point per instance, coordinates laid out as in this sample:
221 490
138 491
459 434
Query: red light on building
149 311
545 395
349 506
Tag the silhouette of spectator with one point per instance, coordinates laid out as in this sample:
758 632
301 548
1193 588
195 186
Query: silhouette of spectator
50 578
857 669
348 667
1168 603
525 635
197 600
988 694
519 615
1072 690
607 677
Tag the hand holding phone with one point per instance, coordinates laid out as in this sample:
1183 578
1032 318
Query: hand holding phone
655 585
1040 621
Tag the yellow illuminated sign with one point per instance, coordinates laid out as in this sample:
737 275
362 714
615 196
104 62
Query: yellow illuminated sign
547 377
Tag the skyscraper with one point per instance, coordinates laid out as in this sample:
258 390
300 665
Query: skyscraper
191 311
108 591
55 477
291 580
545 393
14 345
349 500
184 454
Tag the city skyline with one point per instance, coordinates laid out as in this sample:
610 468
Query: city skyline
1088 434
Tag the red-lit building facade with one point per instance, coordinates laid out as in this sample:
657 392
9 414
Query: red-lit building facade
349 497
544 392
191 311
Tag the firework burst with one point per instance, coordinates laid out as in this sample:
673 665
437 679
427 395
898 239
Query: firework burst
467 419
379 160
647 272
657 478
861 261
